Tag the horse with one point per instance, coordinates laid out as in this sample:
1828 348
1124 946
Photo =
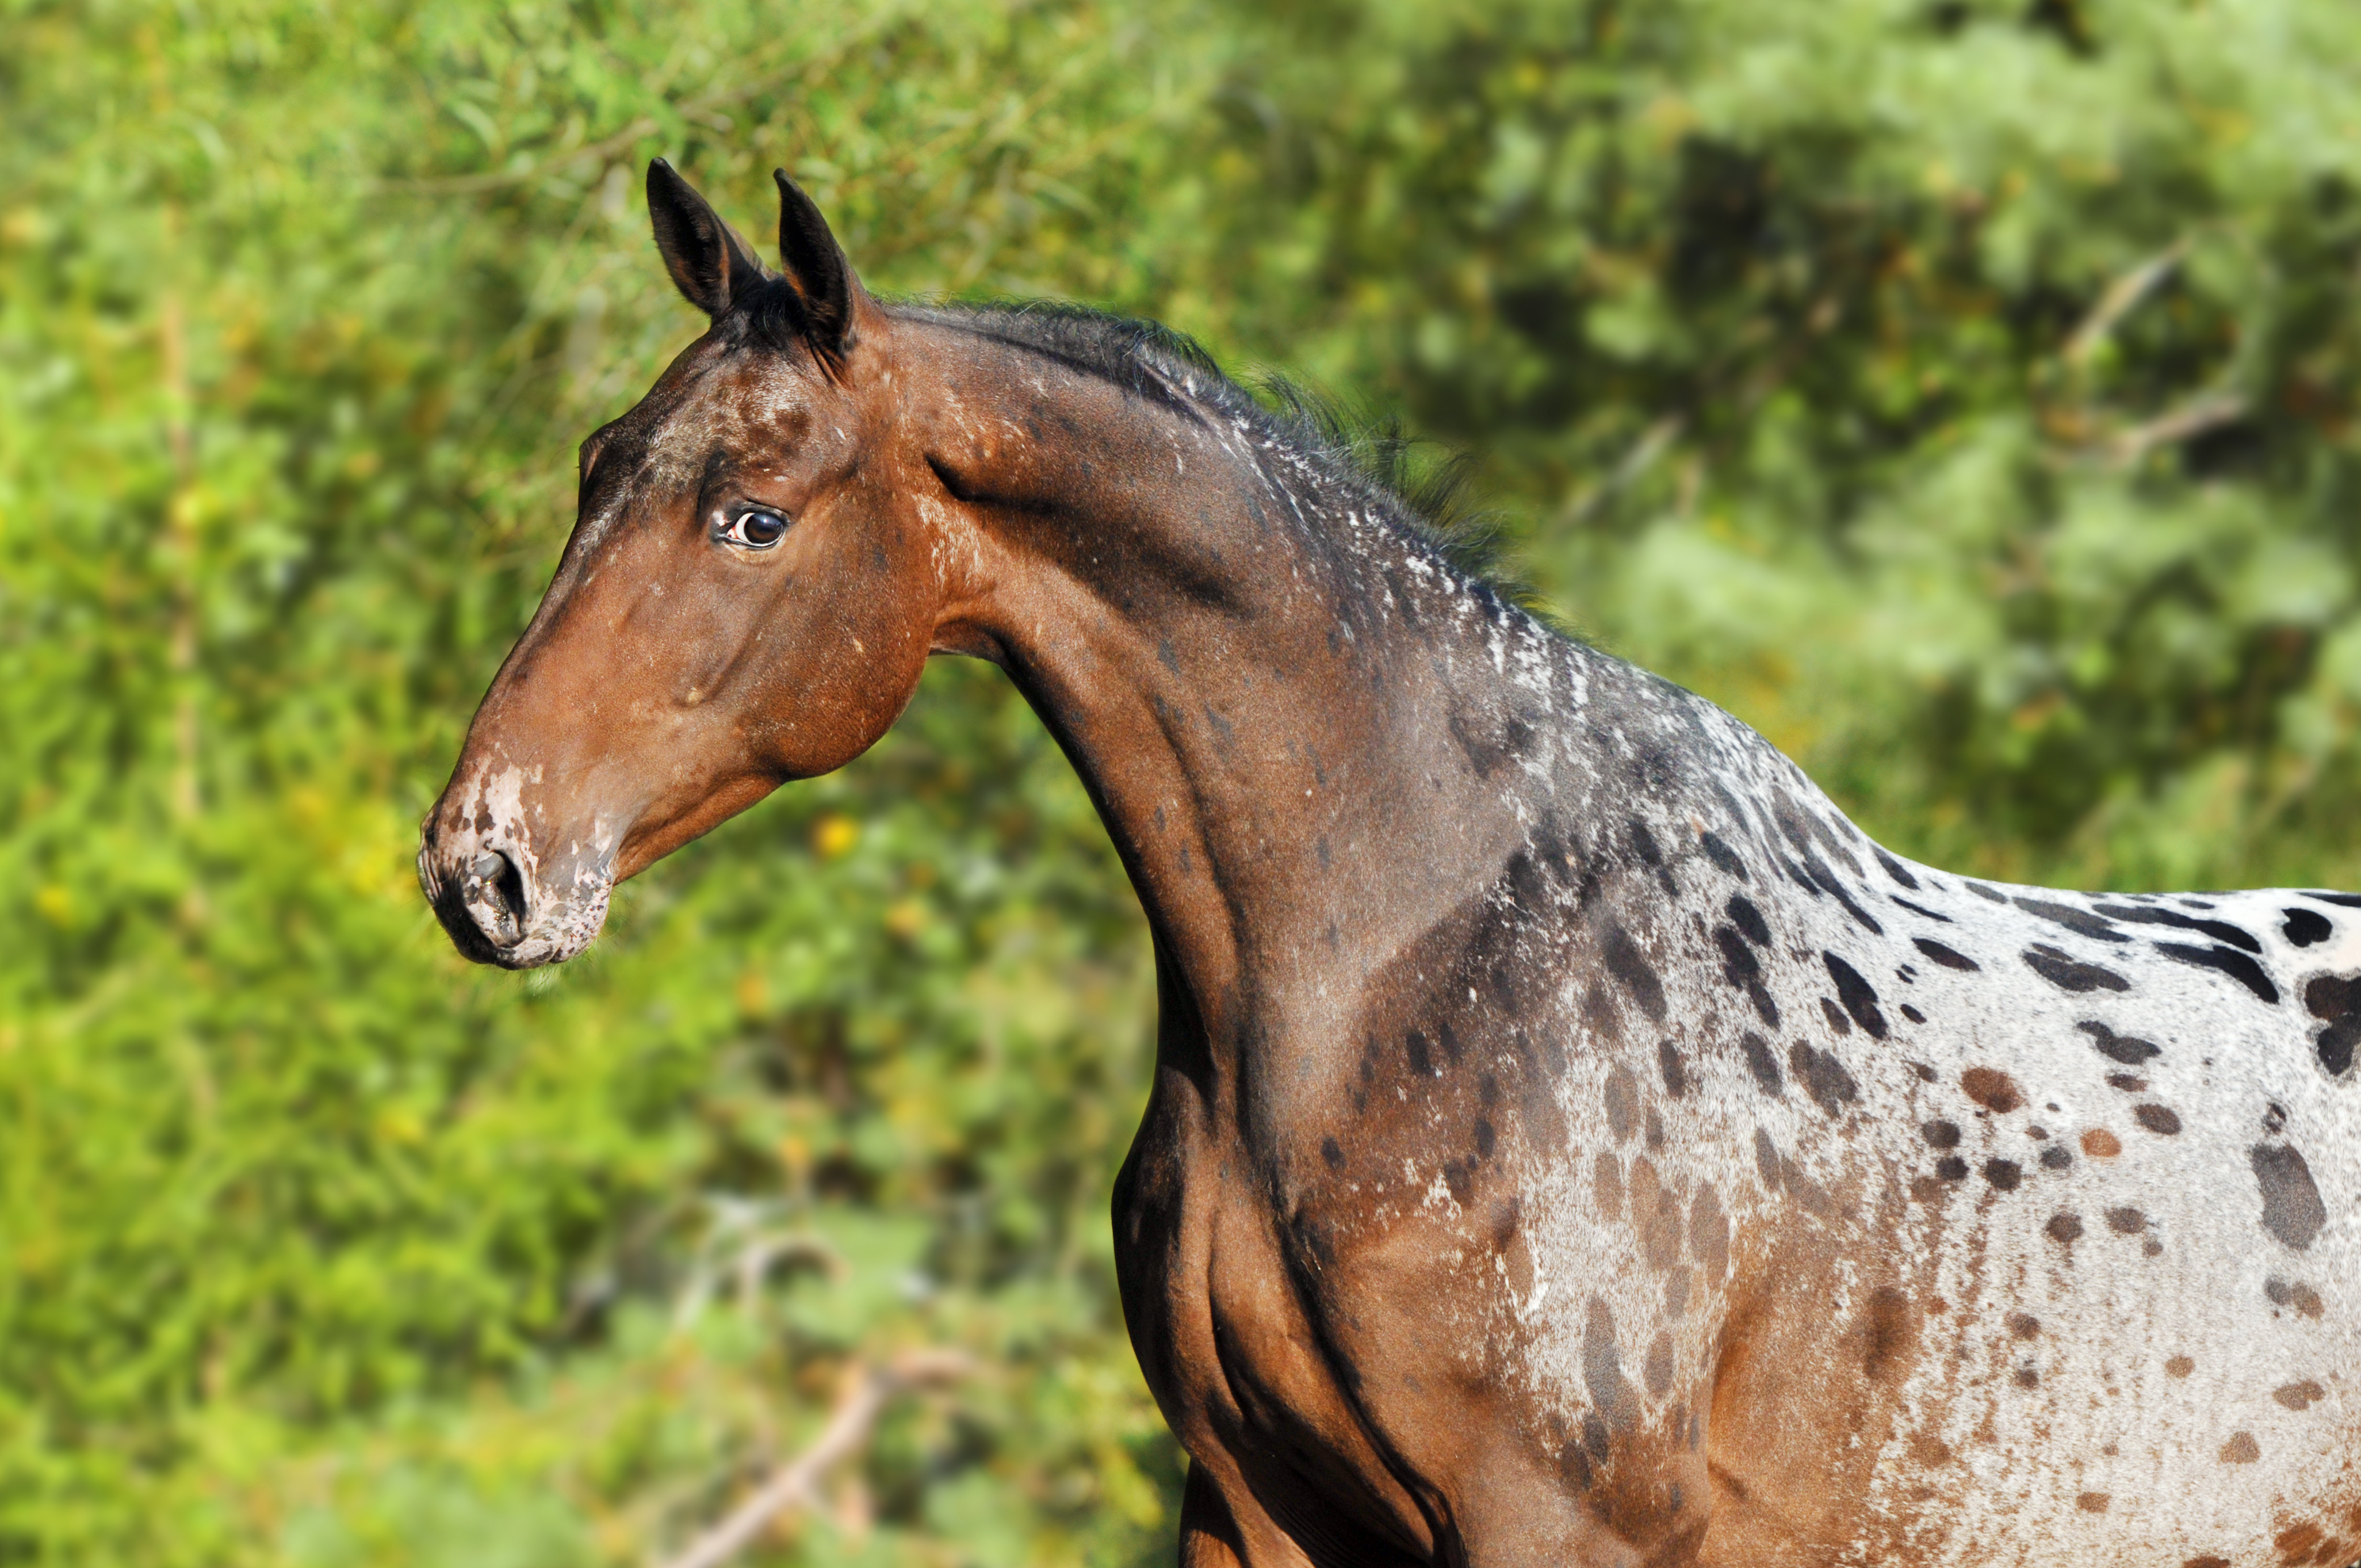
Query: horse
1571 1140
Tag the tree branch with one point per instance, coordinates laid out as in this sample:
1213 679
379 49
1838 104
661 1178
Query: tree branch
860 1397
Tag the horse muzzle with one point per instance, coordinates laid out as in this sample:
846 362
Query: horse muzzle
502 901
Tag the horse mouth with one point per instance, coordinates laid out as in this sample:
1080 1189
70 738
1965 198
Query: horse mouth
496 913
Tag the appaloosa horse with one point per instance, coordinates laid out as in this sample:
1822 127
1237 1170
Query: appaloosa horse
1572 1141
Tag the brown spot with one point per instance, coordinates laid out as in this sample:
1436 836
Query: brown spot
1991 1089
2307 1301
2004 1174
1888 1332
2179 1367
2159 1119
2300 1395
1927 1190
1930 1450
2026 1377
2207 1562
2126 1221
1622 1104
1607 1182
1658 1371
2024 1325
2242 1449
2297 1542
1676 1293
2100 1144
1709 1235
1656 1210
2129 1082
2064 1227
2092 1502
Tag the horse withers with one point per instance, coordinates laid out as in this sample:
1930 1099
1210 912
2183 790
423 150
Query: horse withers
1571 1141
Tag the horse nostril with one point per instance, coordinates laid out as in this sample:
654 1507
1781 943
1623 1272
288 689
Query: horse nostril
501 886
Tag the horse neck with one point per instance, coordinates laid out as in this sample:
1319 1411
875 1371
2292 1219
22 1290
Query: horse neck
1309 740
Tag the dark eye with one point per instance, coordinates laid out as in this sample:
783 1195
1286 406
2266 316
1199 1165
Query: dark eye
755 529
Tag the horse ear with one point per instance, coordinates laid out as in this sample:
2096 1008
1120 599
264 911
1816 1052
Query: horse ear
816 266
709 263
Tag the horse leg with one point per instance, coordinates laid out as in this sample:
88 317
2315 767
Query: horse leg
1212 1535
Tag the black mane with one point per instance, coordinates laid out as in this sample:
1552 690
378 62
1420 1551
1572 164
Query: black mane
1363 451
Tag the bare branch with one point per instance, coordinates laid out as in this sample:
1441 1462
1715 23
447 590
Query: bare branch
1636 462
860 1397
2122 297
2210 411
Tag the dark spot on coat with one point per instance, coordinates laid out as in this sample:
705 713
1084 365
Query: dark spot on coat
1709 1234
1484 1138
1678 1285
1657 1372
1855 994
1656 1212
2082 922
1951 1167
1622 1104
1668 1063
2056 1157
1595 1437
2068 973
1887 1332
1913 1013
2179 1367
1723 855
2149 915
1644 844
1602 1371
1834 1015
1823 1077
2302 1296
2241 1449
2300 1395
1607 1182
1627 963
2091 1502
1941 1135
1330 1155
1460 1179
1749 919
1991 1089
2306 927
2064 1227
1950 958
2207 1562
1767 1162
2129 1082
2337 1003
2025 1377
2100 1144
1761 1064
2229 961
2023 1325
2342 900
1421 1062
1896 870
2159 1119
1981 891
1920 909
2126 1221
2004 1174
2291 1207
2118 1047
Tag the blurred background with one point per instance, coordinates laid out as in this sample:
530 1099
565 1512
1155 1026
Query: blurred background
1962 391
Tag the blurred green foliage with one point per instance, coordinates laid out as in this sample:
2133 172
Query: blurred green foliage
1962 392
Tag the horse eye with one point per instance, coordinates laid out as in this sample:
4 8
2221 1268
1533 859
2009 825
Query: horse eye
756 530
